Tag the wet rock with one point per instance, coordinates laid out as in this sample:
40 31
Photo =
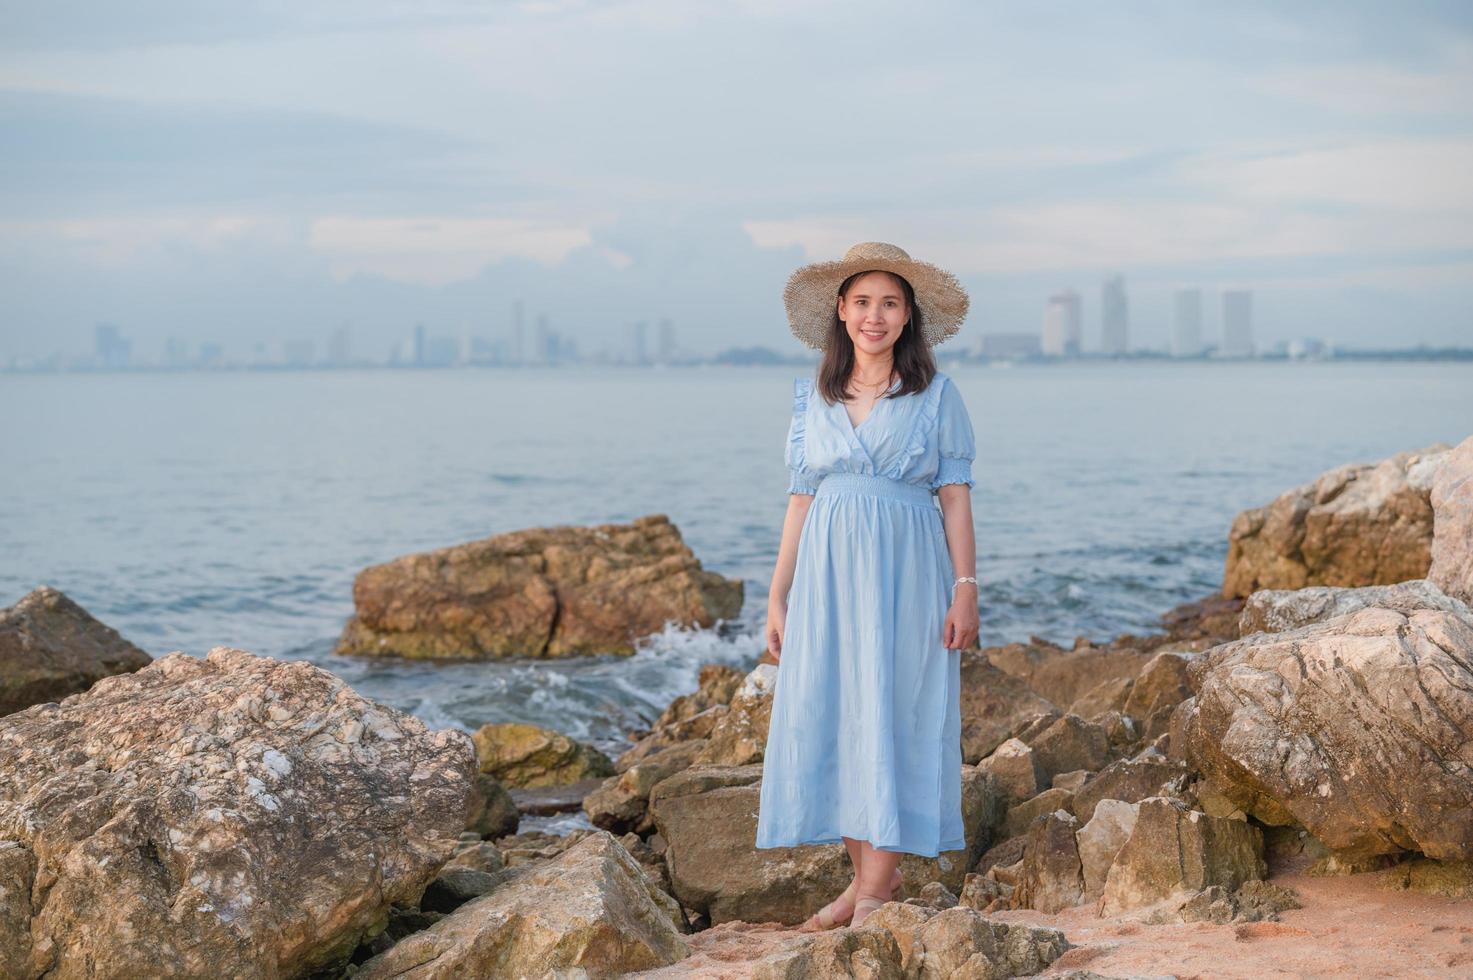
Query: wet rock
231 815
1452 525
1355 525
1356 729
1173 852
493 812
1052 876
50 648
526 756
540 592
591 908
1213 619
1281 610
456 885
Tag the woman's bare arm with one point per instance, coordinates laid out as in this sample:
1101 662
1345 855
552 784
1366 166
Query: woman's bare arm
782 575
962 621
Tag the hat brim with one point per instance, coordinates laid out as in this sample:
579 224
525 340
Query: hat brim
813 290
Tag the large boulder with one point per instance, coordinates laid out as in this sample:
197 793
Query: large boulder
1279 610
50 647
525 756
540 592
1359 728
1358 524
1174 852
707 816
1100 840
589 911
1452 524
227 816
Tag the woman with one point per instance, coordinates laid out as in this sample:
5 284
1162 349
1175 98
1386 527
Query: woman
875 592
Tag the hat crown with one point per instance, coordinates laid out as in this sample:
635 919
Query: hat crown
883 251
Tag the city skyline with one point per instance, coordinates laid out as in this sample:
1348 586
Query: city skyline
158 180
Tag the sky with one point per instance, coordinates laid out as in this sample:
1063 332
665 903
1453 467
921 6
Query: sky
260 172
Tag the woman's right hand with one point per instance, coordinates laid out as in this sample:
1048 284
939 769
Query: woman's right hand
777 622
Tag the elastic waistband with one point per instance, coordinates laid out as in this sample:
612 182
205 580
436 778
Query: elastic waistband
875 486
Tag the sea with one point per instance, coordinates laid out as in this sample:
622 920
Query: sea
190 510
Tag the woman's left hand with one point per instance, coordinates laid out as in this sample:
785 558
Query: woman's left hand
962 621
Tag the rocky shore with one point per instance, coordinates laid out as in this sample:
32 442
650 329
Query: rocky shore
1279 781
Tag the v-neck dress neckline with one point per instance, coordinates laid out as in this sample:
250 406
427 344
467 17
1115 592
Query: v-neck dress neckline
853 430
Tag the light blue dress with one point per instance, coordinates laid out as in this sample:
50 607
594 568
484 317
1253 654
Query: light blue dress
865 736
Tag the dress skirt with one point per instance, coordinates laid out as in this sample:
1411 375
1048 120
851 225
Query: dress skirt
865 736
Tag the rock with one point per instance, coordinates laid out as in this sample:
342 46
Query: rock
1356 728
478 856
1128 780
934 895
1354 525
547 801
1063 676
1173 852
1281 610
1453 879
528 756
621 804
493 812
1213 618
1452 523
1020 817
1071 743
1016 771
534 846
994 705
540 592
456 885
1108 695
589 909
227 816
707 816
1101 839
1003 853
50 648
1073 781
960 942
1163 684
716 684
739 735
1052 877
1254 901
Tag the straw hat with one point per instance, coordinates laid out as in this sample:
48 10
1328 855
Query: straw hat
813 292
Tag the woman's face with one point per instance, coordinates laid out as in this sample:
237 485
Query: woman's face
874 312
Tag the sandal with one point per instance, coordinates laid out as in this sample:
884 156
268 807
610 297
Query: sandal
857 919
824 918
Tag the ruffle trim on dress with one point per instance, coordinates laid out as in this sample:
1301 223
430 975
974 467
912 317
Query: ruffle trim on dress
796 456
925 421
953 469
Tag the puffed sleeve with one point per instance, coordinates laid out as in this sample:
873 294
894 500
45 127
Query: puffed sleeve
955 440
799 479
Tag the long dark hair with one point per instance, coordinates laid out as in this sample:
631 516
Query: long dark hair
913 360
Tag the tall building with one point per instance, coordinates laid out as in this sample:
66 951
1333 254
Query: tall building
340 347
1061 324
1237 323
113 350
518 350
639 343
1115 317
1186 328
665 349
419 343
